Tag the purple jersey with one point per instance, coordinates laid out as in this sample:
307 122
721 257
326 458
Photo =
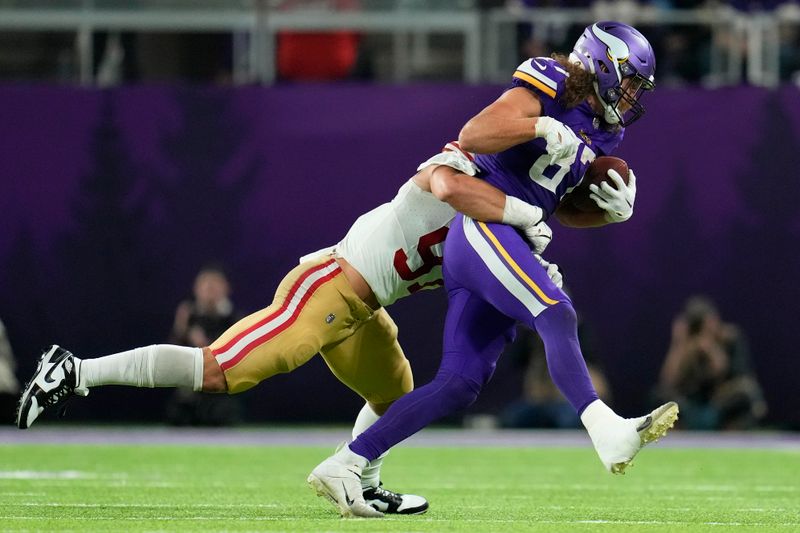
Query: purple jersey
524 170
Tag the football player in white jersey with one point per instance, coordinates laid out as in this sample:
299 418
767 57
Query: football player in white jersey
492 281
332 304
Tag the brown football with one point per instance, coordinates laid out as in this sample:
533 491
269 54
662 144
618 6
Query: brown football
597 173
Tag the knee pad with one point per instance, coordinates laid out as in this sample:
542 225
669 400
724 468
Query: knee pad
560 317
456 391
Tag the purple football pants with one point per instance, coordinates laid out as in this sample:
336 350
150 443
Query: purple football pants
492 281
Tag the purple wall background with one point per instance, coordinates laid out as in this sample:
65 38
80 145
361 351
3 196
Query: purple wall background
111 200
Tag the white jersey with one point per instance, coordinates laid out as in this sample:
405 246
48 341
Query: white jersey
397 247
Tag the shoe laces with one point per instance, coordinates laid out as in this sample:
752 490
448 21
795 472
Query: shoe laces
386 495
59 395
64 391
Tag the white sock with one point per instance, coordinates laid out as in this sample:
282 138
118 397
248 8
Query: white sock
158 365
371 475
605 427
596 414
348 457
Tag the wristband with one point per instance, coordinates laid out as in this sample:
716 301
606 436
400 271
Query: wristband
521 214
543 126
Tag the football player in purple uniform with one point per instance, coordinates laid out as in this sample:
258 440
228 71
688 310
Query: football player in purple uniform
332 303
535 141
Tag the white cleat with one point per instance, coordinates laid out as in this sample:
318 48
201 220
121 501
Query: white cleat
53 383
338 478
387 501
619 442
391 502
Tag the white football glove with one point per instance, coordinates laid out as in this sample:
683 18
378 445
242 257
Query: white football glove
552 271
530 220
617 203
561 140
539 236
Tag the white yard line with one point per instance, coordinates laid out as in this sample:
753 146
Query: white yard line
159 505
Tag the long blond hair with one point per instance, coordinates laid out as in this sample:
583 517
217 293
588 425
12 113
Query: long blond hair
579 84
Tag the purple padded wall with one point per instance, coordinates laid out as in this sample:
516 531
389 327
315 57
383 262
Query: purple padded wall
110 201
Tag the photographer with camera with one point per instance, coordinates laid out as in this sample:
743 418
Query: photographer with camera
707 369
9 386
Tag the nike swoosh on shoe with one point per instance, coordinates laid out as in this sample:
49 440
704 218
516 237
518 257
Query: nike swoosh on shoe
347 496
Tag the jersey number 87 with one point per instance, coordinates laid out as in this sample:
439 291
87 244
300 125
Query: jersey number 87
542 170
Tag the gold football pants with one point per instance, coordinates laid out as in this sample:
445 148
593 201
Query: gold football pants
315 310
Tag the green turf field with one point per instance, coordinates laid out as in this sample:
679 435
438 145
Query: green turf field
210 488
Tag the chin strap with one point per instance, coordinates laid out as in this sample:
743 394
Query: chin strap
609 114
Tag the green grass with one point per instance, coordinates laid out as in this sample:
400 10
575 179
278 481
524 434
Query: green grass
208 488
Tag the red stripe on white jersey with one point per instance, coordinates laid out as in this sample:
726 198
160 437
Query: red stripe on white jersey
453 146
235 349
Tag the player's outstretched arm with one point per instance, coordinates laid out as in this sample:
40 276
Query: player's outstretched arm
513 119
472 196
449 175
508 121
481 201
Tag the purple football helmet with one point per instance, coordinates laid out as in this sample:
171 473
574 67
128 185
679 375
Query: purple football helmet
624 65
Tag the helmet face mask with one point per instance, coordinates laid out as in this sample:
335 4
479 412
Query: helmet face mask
626 101
624 67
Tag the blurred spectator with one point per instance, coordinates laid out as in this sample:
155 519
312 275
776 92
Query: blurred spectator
9 386
318 56
683 52
115 60
789 42
207 315
541 404
707 371
198 321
